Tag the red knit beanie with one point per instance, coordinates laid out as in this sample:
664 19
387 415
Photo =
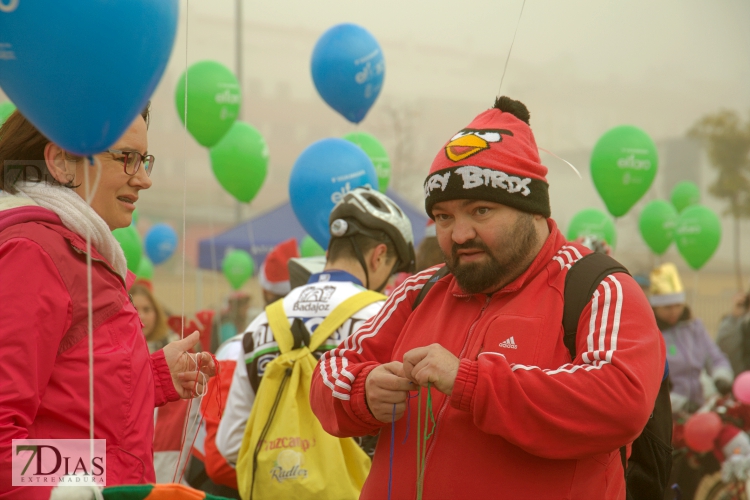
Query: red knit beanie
274 273
496 159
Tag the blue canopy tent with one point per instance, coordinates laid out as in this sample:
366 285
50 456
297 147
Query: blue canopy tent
259 235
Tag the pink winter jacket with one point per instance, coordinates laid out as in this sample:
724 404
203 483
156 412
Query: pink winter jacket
44 360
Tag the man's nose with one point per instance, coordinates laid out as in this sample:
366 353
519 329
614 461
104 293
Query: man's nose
463 231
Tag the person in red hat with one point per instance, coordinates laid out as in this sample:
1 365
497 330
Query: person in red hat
514 415
274 273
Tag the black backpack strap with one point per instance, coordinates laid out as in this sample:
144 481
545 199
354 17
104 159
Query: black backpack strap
582 280
583 277
441 273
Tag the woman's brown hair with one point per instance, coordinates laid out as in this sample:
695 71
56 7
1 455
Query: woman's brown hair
22 148
160 325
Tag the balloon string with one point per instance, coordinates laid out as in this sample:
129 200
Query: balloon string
393 444
408 415
90 190
419 441
422 448
186 425
562 159
511 48
184 186
184 203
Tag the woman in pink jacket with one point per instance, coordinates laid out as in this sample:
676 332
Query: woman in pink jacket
44 299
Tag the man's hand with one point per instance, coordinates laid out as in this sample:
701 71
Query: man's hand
384 387
182 366
434 364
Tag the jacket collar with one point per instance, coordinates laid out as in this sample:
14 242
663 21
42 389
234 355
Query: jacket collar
553 242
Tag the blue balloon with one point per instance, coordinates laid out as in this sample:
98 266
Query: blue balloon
324 172
160 243
81 71
348 70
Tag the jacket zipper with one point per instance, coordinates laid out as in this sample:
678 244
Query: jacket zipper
443 406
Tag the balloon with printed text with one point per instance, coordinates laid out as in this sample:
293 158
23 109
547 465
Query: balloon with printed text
237 267
657 224
324 172
377 154
685 194
593 222
6 109
697 234
623 166
213 101
160 243
348 70
240 161
77 79
130 241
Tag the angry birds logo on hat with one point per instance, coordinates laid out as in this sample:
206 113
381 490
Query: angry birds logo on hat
470 141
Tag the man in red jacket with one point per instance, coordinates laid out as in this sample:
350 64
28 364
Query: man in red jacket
515 416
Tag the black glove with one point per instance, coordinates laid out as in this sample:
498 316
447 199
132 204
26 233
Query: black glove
724 386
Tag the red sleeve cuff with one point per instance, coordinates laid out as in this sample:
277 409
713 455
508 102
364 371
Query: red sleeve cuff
463 388
164 391
358 399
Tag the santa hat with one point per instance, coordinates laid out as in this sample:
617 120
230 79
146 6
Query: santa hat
495 158
274 273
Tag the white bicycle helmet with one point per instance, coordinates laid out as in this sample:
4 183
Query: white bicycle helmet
369 212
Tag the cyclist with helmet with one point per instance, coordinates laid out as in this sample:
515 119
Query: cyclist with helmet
371 239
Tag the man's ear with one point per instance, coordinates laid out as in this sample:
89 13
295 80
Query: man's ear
378 257
54 157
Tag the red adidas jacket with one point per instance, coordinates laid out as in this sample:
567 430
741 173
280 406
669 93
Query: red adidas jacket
524 420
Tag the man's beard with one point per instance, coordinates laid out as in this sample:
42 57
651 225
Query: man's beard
503 264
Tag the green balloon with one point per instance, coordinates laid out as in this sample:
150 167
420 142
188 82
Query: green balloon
657 223
623 166
134 219
697 234
130 241
213 101
593 222
6 109
377 154
310 248
238 267
145 269
685 194
240 161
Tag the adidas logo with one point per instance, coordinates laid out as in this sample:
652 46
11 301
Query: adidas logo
509 344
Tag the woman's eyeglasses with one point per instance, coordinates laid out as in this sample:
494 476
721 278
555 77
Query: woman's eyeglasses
132 160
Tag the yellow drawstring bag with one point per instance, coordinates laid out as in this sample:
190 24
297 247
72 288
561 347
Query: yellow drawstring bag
285 452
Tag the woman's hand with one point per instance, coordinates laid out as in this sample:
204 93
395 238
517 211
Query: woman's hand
183 366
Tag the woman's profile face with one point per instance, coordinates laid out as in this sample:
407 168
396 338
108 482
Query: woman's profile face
117 192
146 312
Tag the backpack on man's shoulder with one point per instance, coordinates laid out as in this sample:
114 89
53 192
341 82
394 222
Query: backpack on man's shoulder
647 470
285 452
